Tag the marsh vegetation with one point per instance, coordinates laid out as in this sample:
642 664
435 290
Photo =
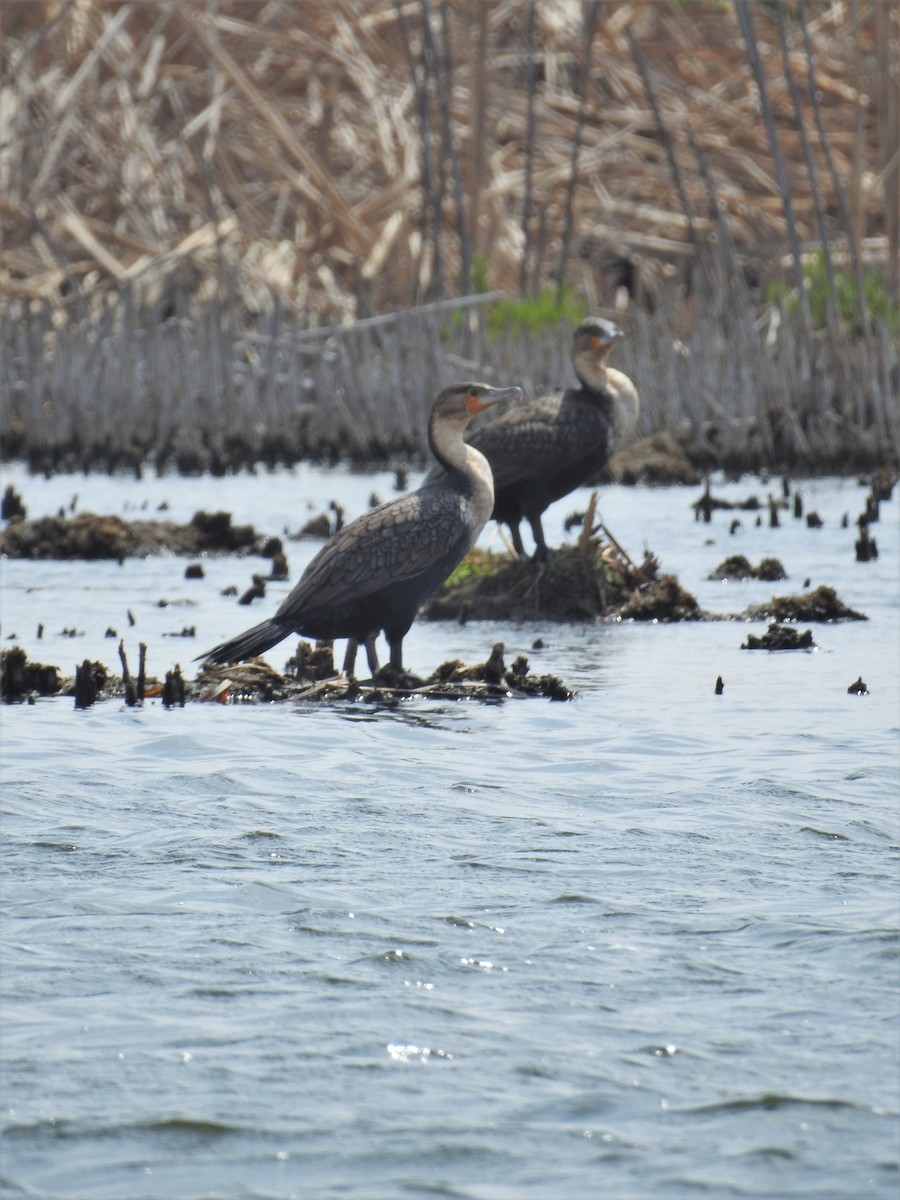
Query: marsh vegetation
266 233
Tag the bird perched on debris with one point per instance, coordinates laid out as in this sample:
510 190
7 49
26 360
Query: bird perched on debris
373 574
540 452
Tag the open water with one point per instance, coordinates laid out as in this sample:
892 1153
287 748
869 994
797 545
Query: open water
641 945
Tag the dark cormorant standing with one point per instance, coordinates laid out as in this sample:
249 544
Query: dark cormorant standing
375 572
541 451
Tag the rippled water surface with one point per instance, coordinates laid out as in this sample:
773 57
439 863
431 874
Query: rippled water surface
640 945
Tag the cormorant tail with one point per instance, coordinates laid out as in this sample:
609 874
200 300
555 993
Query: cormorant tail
248 644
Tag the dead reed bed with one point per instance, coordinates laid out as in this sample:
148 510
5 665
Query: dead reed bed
196 394
238 231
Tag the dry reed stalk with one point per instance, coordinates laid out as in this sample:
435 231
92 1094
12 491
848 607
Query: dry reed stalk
837 187
888 40
748 31
530 134
832 302
590 24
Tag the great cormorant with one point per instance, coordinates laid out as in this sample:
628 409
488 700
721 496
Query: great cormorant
375 572
541 451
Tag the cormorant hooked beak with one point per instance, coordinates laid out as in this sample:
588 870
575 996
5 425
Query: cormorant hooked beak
478 401
606 337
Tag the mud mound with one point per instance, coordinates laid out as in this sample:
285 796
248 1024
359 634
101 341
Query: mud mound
661 600
89 536
310 674
567 587
575 583
737 567
821 604
20 679
657 460
780 637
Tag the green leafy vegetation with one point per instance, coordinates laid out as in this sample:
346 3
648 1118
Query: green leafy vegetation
815 277
512 315
476 564
545 310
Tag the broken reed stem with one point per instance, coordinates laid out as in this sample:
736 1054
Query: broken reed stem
832 307
445 100
837 186
745 20
128 682
430 207
618 547
590 27
587 528
480 97
142 671
663 132
857 200
530 136
888 28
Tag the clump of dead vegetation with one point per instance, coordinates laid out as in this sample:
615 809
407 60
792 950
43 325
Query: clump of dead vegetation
780 637
92 536
738 567
310 676
592 578
820 604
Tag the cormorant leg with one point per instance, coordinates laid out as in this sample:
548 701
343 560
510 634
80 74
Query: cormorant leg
350 656
540 553
397 654
371 653
517 538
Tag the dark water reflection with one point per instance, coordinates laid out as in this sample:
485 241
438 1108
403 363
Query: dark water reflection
639 945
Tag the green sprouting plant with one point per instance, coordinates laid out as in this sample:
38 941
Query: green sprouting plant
515 314
475 564
480 275
815 278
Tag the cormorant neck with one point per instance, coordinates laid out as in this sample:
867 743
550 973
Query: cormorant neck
446 441
592 373
626 403
467 465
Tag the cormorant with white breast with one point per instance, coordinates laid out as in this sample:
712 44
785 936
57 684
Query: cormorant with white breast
540 452
375 572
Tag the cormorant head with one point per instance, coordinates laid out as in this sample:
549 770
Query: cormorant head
458 403
593 340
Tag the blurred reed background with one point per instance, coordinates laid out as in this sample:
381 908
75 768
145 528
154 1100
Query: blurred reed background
270 230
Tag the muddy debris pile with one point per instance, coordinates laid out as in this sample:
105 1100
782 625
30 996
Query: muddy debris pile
737 567
822 604
322 525
780 637
708 504
21 680
594 578
90 536
662 600
658 459
310 675
24 680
